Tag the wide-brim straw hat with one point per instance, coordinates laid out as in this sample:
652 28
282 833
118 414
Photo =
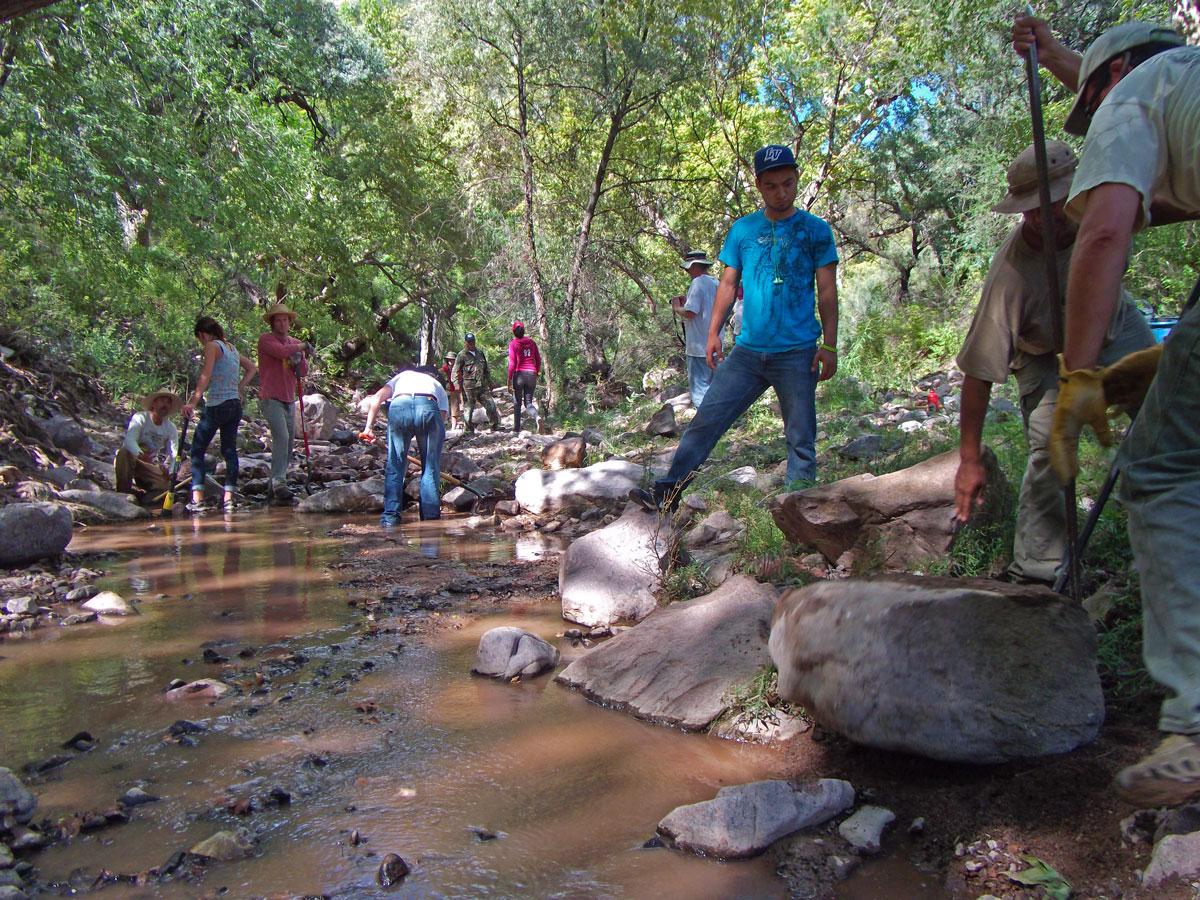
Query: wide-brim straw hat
279 309
176 400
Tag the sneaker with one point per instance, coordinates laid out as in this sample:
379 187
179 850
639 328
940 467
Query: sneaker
1169 776
229 505
388 522
644 499
197 509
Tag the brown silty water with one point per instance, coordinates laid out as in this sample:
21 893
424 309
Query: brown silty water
383 734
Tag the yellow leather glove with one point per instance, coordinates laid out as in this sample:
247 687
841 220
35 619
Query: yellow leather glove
1127 380
1080 402
1084 397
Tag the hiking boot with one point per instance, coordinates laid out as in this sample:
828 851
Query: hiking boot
1169 776
644 499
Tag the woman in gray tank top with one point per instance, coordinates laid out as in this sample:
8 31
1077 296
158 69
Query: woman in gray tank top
222 410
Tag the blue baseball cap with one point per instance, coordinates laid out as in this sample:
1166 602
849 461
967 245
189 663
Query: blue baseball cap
469 337
773 156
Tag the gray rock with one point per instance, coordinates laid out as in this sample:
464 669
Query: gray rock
363 496
865 446
108 603
1003 405
717 528
662 423
952 669
320 415
746 475
911 426
507 652
864 830
67 434
22 606
78 619
459 499
33 531
541 491
613 574
6 857
1175 856
110 504
135 796
744 820
15 798
679 666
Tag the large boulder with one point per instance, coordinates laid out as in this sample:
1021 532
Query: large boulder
507 652
568 453
680 665
320 415
363 496
108 504
904 519
965 670
32 531
108 603
613 574
744 820
541 491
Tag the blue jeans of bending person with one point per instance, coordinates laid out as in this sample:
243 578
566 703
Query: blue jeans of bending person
740 380
412 417
224 418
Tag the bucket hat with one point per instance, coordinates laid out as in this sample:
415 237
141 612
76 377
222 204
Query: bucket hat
279 309
1022 178
176 400
694 257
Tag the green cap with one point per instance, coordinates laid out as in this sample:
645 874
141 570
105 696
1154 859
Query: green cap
1111 44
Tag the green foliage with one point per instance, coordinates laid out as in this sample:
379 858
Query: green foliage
756 703
888 347
1041 875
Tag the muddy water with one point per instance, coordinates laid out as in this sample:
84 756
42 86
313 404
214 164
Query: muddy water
387 735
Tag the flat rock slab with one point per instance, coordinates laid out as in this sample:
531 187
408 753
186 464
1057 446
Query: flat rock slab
112 505
904 519
744 820
203 689
613 574
544 491
964 670
507 652
679 665
363 496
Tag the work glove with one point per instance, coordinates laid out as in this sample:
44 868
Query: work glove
1084 396
366 437
309 349
296 358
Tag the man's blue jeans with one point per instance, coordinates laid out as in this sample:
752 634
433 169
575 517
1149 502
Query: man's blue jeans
700 376
413 417
738 382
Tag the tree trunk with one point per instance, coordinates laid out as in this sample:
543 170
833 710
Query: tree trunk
429 320
527 224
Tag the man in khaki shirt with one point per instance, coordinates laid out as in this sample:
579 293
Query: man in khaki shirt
1138 101
1012 332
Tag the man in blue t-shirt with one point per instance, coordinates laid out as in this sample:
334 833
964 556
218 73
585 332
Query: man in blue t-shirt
786 263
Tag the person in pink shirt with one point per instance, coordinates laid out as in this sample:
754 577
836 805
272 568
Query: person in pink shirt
281 363
524 365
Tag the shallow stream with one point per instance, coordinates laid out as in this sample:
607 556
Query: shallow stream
388 736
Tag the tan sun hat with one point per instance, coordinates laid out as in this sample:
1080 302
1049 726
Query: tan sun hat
279 309
176 400
1022 177
1112 43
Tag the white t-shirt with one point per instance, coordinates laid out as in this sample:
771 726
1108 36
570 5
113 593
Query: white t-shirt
143 435
411 382
700 296
1146 134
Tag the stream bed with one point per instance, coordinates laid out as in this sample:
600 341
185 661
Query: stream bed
383 742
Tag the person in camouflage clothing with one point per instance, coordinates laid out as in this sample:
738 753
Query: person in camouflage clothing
473 377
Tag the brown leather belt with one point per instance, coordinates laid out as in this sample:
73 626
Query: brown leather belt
426 396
